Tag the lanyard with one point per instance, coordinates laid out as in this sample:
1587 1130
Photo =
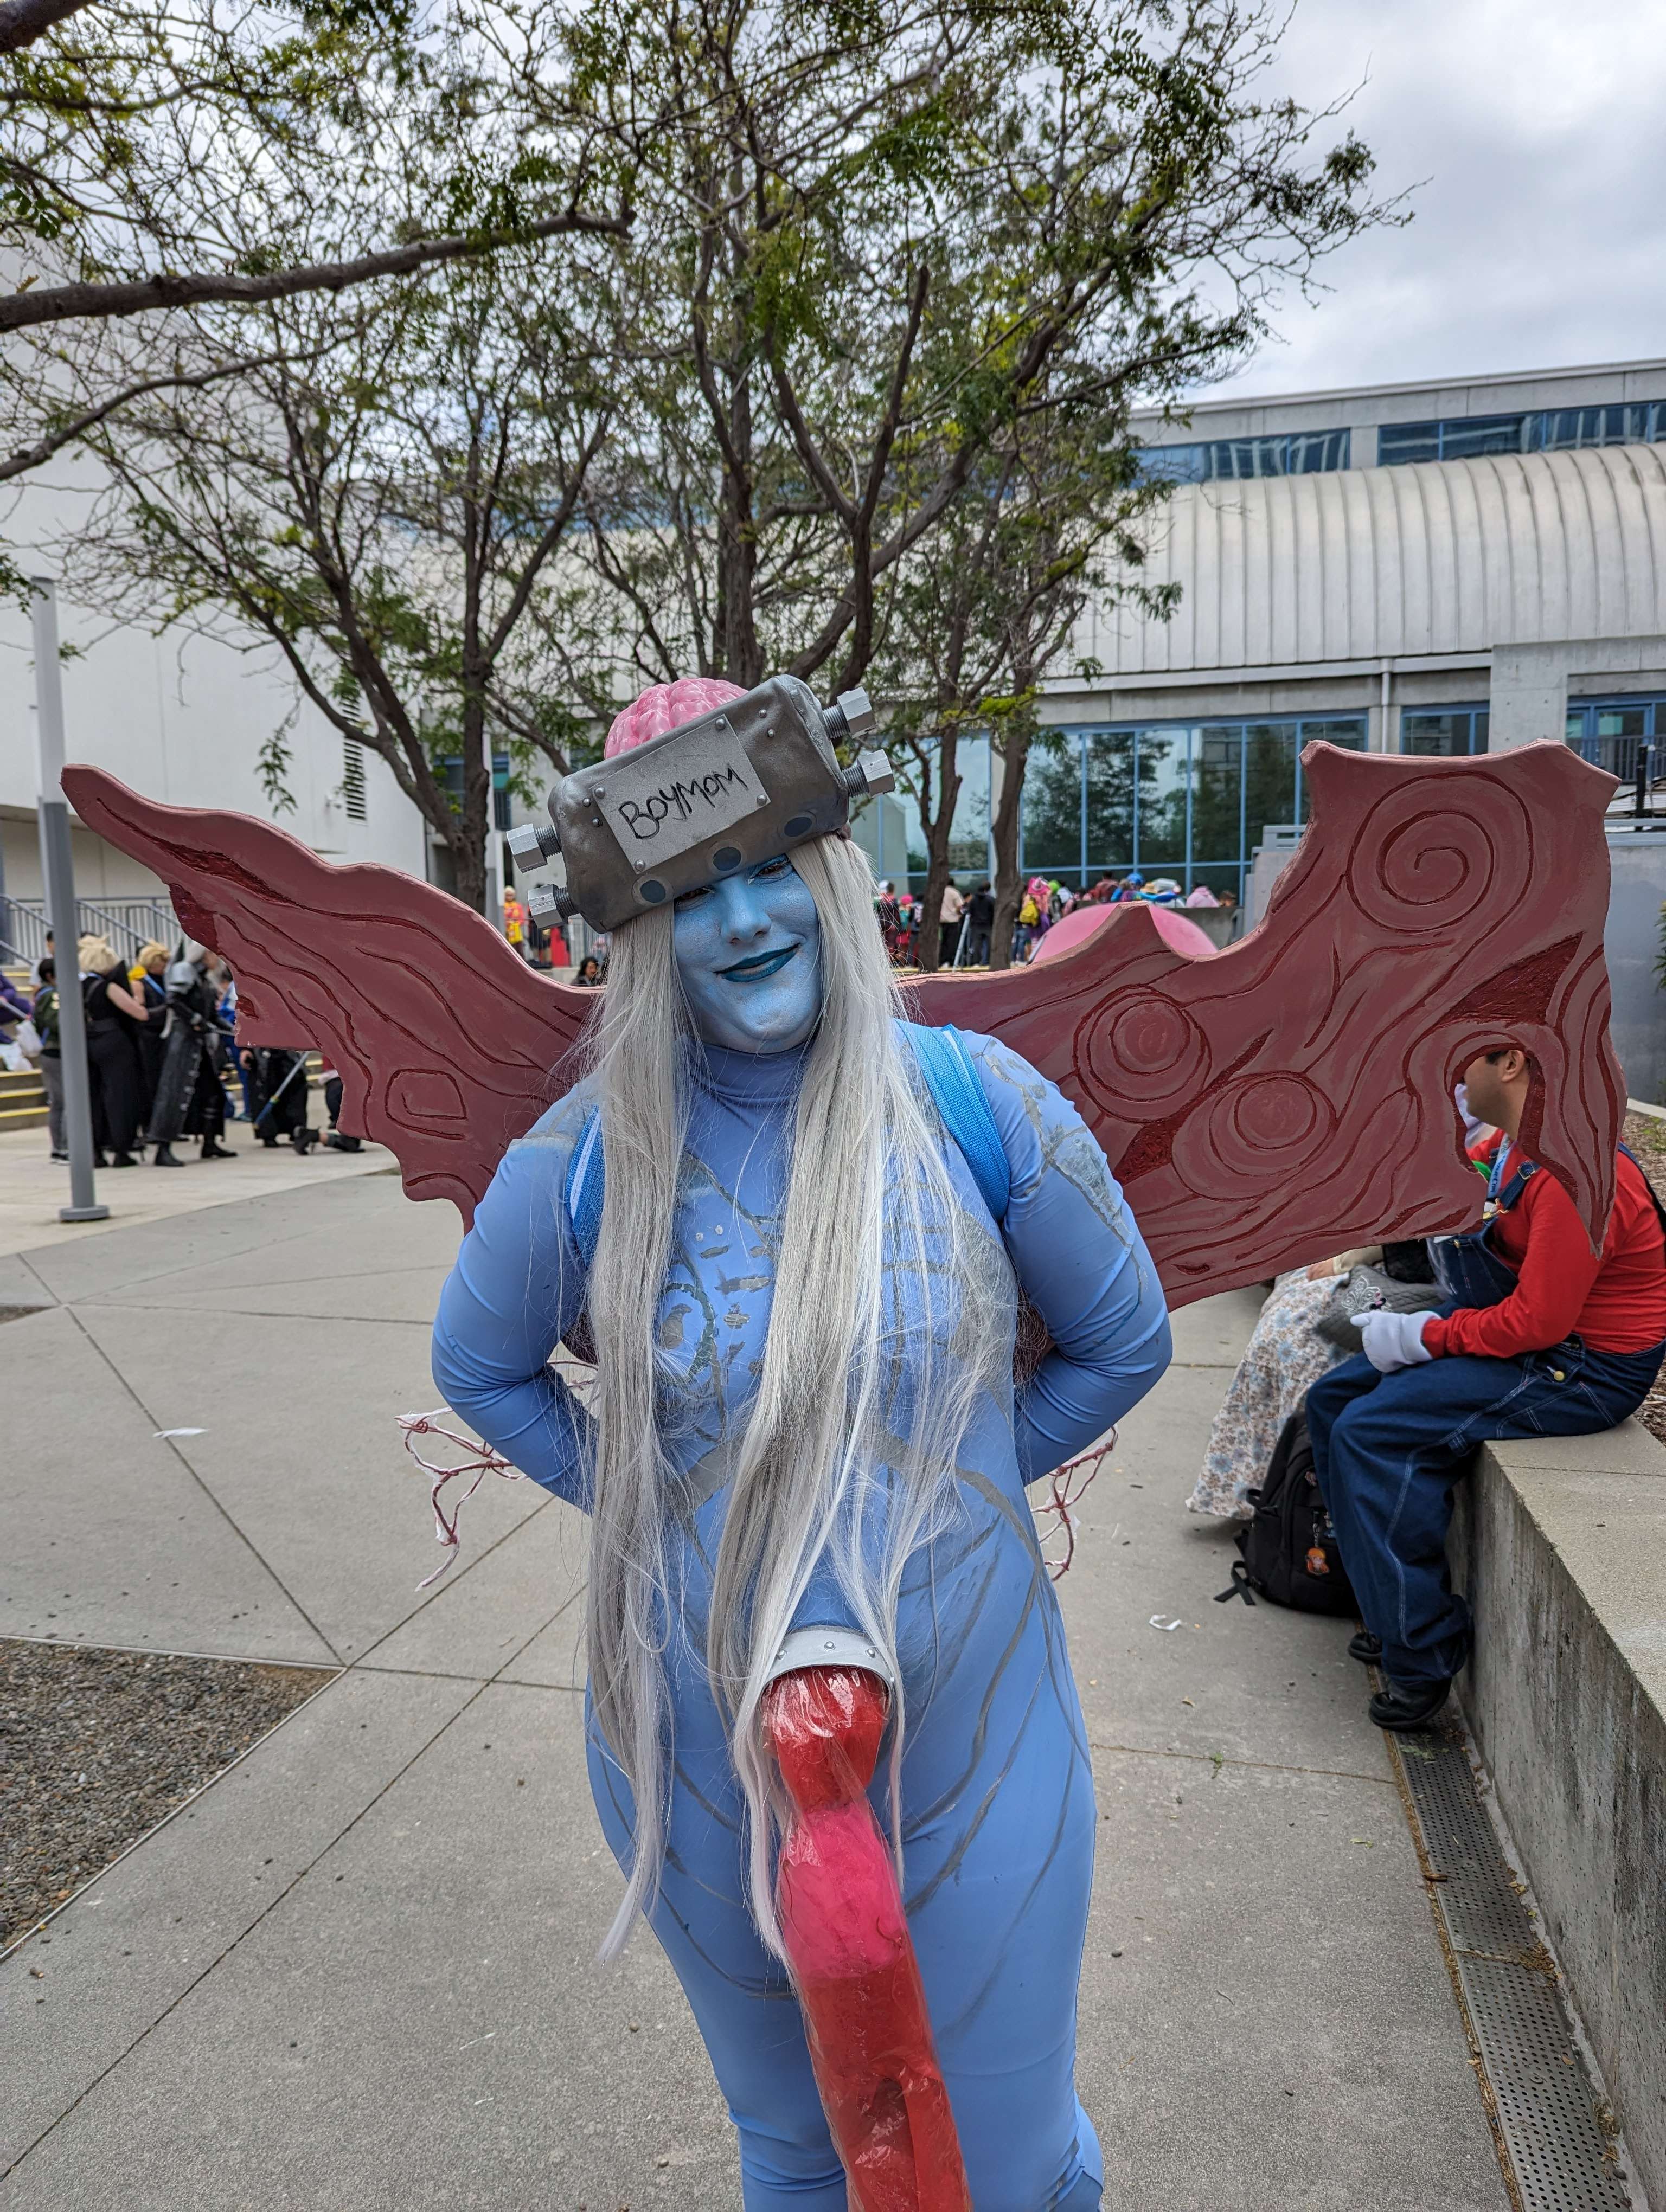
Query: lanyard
1495 1179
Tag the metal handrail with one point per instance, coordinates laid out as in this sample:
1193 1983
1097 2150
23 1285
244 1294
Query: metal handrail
161 920
14 955
128 921
25 919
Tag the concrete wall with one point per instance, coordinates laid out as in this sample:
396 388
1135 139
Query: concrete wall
1631 942
1561 1543
1532 683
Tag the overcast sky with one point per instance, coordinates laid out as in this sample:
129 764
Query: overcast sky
1540 233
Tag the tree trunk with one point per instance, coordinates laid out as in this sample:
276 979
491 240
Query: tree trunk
937 820
479 814
1004 834
741 655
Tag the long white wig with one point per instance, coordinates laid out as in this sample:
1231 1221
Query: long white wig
891 1314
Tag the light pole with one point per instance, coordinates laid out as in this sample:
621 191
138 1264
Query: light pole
57 872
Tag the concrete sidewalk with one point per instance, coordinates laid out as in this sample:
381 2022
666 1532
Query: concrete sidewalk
359 1971
33 1185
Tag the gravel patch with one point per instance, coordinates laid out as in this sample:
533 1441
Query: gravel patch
96 1746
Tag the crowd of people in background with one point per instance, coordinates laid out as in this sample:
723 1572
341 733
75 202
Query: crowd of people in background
965 919
162 1062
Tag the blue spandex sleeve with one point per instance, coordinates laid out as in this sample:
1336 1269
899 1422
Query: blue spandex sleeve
1081 1261
517 1287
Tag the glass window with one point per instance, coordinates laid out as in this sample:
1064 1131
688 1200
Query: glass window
1269 777
1445 732
1347 731
1461 438
1559 429
1175 463
1614 732
1192 802
1469 437
969 834
1315 453
1407 441
1620 722
502 815
1217 797
1298 454
1053 806
1440 736
1109 800
1552 430
1164 790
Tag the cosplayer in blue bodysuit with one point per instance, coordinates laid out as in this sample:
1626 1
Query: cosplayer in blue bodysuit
997 1801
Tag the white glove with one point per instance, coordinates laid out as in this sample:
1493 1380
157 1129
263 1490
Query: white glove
1392 1339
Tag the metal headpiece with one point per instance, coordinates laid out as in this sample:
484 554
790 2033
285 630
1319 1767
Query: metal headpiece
753 778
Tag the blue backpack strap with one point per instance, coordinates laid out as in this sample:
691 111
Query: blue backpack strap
585 1187
946 1061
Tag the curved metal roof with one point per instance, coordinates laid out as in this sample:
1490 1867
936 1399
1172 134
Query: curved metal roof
1439 557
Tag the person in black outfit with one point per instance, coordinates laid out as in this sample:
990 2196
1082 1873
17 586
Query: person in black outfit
979 921
151 991
51 1057
189 1098
113 1020
278 1084
332 1091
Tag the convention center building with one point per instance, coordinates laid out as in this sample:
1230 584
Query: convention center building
1435 568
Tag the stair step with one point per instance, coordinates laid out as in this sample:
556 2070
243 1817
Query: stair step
22 1099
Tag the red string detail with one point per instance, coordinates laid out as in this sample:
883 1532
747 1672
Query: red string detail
1064 1494
479 1461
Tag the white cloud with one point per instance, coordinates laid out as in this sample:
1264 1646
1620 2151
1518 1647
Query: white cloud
1535 135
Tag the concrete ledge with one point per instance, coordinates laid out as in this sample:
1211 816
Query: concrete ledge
1562 1544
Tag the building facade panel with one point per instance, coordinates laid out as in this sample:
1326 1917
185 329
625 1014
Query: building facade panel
1510 586
1441 557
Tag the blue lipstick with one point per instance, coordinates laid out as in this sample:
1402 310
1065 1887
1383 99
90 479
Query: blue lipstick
759 965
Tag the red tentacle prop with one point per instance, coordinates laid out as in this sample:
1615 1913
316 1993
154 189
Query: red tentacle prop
847 1941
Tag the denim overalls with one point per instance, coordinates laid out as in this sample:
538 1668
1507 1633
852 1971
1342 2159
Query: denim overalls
1388 1448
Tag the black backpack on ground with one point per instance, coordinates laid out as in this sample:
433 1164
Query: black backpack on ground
1289 1551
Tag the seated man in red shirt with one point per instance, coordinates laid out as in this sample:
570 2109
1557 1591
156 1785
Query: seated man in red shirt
1540 1337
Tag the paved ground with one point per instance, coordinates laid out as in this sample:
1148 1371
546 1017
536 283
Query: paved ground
359 1971
33 1186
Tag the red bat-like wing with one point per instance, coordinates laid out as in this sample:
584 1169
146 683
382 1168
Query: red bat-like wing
1281 1101
448 1045
1291 1097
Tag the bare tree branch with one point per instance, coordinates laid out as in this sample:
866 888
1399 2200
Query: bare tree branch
23 21
65 433
66 302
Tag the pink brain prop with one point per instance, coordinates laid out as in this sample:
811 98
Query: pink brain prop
1280 1101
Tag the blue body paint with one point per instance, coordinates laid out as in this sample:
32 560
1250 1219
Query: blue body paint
998 1812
